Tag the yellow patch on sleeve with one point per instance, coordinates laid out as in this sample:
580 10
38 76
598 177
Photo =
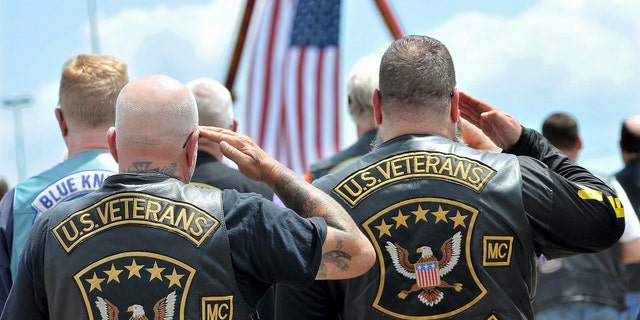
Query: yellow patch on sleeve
617 207
586 193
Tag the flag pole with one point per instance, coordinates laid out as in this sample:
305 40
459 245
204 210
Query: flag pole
389 18
93 26
239 46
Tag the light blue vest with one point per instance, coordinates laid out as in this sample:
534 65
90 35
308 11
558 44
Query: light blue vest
72 178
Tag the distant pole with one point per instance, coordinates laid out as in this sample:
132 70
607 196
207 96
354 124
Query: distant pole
239 46
16 104
93 26
390 19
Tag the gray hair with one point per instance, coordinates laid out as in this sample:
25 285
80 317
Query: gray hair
363 80
215 106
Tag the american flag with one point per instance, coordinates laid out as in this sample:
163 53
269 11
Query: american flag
293 105
427 274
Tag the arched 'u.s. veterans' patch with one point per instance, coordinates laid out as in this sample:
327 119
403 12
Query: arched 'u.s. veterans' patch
420 164
135 208
122 283
423 248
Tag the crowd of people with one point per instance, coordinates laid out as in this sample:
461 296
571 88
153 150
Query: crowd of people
445 207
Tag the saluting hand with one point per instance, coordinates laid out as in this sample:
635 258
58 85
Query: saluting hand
475 138
252 161
499 126
346 252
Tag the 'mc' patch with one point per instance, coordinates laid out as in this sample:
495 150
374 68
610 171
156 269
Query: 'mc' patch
497 251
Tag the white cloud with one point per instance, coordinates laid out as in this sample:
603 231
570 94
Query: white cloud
182 41
578 45
173 40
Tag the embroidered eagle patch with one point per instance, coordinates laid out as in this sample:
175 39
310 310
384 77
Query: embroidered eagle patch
424 256
427 270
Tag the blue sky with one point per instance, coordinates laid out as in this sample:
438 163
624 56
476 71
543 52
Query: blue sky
530 58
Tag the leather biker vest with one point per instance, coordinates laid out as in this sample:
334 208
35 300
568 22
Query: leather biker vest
449 229
142 244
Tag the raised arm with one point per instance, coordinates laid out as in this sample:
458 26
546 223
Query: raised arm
346 252
500 127
572 209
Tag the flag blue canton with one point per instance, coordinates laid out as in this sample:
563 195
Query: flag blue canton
316 23
426 266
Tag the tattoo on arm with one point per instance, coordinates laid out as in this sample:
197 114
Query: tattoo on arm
298 198
337 258
309 201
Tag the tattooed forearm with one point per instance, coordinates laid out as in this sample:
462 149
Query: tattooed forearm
296 196
307 201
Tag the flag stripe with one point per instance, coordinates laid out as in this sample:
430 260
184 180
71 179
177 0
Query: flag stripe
269 72
300 103
294 104
336 102
318 104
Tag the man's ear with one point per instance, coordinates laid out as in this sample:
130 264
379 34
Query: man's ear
234 126
111 140
455 99
61 123
579 143
377 112
192 148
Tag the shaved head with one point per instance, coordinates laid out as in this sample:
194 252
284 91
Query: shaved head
156 128
154 110
630 135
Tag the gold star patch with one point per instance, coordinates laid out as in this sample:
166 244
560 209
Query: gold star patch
174 278
458 219
156 272
420 214
401 219
113 273
441 215
95 282
384 229
134 269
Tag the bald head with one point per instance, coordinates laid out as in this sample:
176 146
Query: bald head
154 110
630 138
154 117
215 107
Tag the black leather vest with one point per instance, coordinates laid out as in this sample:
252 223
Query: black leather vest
449 229
143 244
592 277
